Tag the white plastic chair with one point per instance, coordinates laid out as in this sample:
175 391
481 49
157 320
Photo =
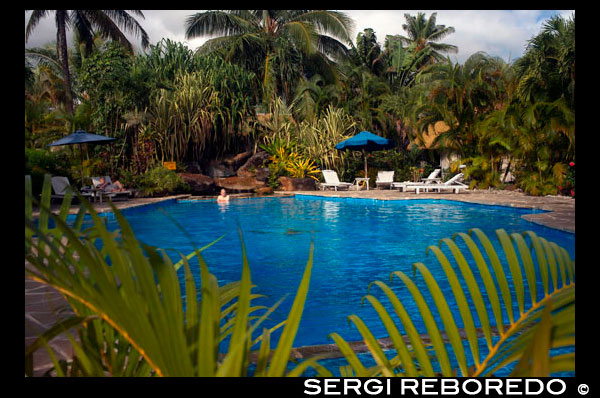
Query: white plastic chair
385 178
332 180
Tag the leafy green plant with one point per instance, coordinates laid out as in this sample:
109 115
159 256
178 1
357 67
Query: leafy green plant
549 318
128 305
160 181
41 162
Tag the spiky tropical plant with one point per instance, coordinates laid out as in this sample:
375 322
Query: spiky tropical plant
205 114
317 137
129 312
107 22
544 318
302 168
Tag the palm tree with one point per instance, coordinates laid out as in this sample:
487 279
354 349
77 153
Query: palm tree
547 69
312 97
86 22
460 95
272 43
424 33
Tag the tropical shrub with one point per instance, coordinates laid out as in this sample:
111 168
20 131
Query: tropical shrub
282 154
130 317
39 162
277 126
160 181
569 184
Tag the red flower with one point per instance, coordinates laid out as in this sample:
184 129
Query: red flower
572 192
559 188
369 155
572 164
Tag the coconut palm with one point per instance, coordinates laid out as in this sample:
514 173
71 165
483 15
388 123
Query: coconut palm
86 22
547 69
424 33
272 43
312 96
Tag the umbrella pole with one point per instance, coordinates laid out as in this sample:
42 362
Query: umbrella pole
81 155
365 155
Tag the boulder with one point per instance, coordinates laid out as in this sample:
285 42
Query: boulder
261 174
264 191
192 168
297 184
235 161
239 183
199 183
216 169
253 164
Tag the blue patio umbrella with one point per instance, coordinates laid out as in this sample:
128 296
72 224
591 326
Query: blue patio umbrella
365 142
81 137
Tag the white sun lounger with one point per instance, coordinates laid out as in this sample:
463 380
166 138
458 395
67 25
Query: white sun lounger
385 178
431 179
332 180
451 184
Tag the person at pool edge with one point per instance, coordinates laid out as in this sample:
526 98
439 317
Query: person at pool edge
223 197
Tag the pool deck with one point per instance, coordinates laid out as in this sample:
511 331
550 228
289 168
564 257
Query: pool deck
44 305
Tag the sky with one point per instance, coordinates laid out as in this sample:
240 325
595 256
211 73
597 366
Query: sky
502 33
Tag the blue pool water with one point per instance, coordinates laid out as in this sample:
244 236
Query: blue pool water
356 241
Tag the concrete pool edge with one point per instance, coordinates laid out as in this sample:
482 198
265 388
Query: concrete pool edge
121 205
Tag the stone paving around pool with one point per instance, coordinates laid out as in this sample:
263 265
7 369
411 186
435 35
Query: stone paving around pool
44 305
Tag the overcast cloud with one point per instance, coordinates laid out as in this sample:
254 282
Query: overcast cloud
501 33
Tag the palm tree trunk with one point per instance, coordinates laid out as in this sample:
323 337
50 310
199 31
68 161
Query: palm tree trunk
506 171
61 46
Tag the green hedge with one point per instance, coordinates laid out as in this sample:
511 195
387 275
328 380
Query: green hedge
39 162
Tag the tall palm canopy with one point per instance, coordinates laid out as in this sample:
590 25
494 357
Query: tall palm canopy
424 32
272 42
87 23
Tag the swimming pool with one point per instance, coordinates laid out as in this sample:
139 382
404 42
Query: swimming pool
357 241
